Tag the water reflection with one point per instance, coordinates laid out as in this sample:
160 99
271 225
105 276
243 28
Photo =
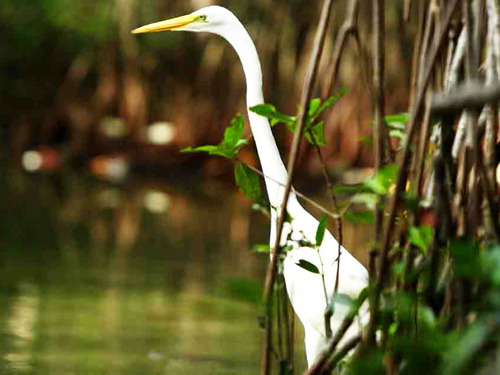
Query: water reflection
133 278
136 278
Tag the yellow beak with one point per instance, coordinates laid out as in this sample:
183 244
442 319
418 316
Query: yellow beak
172 24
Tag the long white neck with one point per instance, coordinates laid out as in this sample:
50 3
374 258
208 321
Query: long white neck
269 156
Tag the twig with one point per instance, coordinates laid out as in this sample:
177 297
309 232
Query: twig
406 10
340 354
491 132
493 19
306 96
472 95
379 99
333 215
323 357
338 222
348 28
424 142
426 41
452 78
490 199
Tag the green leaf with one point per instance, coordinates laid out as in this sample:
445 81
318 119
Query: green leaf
230 145
465 255
360 216
261 248
421 237
306 243
232 134
320 232
461 354
380 182
490 265
190 149
331 101
316 134
248 181
308 266
401 118
270 112
218 150
314 104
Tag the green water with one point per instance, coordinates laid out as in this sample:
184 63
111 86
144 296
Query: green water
96 279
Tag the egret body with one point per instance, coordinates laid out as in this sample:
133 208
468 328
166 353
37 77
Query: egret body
305 289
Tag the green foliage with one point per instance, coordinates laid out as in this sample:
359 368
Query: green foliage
369 193
421 237
248 181
308 266
93 20
397 121
396 125
314 132
458 358
465 255
261 248
320 232
379 183
269 111
231 144
490 264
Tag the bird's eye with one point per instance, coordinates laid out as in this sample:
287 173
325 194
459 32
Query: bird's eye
202 17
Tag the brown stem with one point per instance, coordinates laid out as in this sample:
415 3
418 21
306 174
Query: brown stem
378 91
306 96
422 149
340 354
348 28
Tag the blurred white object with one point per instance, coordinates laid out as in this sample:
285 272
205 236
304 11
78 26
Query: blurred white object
160 133
156 201
31 161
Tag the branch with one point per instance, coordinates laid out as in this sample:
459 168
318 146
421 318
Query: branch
348 27
379 99
472 95
306 96
322 359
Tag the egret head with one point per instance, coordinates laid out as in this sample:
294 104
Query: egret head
213 19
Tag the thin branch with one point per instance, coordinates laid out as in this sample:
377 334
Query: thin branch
472 95
423 145
379 99
348 28
319 207
323 357
340 354
306 96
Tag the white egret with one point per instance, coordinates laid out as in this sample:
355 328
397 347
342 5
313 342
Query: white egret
305 289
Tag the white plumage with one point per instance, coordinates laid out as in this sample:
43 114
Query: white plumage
305 289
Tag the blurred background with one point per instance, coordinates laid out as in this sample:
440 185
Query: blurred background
118 253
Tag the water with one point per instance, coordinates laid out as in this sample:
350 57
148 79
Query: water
136 278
